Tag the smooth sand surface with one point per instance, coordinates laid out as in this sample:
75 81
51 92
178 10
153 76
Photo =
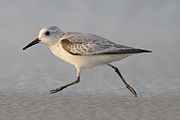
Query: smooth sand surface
76 106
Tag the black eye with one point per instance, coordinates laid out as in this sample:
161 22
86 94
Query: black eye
47 33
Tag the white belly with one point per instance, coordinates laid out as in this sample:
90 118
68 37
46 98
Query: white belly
85 62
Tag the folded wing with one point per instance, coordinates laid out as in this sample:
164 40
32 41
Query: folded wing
88 44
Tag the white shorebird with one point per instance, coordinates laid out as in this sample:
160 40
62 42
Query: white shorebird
84 51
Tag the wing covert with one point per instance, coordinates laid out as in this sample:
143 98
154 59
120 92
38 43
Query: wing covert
88 44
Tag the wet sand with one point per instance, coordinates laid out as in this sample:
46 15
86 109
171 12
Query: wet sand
76 106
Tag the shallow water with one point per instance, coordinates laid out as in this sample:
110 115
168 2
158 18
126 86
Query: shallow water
27 76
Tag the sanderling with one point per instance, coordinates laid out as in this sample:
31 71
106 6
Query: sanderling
84 51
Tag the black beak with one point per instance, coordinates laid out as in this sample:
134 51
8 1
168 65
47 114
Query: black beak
36 41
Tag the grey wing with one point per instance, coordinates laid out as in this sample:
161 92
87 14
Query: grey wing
88 44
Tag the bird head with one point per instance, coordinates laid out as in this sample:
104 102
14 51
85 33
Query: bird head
48 36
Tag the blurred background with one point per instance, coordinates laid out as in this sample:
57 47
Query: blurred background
27 76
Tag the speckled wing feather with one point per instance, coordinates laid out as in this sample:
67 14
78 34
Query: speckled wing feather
88 44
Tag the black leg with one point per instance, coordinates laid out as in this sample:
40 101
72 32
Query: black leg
124 81
65 86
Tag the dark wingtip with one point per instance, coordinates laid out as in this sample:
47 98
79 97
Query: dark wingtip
145 51
24 48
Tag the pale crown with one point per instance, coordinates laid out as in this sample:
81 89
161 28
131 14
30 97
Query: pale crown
50 35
